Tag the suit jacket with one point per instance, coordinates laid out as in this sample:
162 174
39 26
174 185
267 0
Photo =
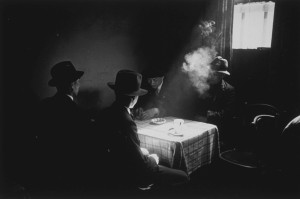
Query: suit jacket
222 102
126 157
154 100
62 130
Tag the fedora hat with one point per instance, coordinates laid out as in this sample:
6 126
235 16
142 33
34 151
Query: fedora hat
153 72
128 83
64 72
220 65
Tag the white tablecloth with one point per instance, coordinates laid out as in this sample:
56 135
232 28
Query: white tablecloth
198 146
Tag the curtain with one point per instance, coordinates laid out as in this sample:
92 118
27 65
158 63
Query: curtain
252 25
224 24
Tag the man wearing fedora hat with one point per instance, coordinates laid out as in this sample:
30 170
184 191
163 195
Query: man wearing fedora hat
154 103
131 164
222 93
61 127
220 105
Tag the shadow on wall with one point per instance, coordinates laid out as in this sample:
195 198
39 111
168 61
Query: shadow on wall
90 99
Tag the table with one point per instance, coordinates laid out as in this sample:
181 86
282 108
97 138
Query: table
198 146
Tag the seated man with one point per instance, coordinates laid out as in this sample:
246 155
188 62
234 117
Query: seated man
222 93
128 163
61 130
153 104
219 107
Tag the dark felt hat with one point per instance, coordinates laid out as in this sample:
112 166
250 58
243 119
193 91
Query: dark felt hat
64 72
128 83
153 72
220 65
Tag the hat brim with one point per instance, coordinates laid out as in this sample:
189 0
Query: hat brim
153 75
139 92
224 72
54 82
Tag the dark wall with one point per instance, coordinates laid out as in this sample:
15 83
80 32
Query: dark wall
250 74
100 37
285 56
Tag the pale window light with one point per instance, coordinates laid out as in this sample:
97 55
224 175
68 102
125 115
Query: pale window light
253 25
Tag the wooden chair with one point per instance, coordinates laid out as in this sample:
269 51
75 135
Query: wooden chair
261 123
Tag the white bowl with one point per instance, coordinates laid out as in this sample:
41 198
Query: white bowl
158 121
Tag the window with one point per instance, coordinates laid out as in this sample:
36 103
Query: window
252 25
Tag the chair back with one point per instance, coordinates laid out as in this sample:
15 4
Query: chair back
260 126
253 110
266 130
259 137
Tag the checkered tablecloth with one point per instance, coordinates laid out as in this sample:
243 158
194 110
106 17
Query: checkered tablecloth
198 146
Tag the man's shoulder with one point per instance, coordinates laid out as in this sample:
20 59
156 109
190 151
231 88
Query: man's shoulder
60 105
115 111
227 86
115 118
57 99
46 102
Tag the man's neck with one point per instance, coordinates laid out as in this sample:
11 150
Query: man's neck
123 105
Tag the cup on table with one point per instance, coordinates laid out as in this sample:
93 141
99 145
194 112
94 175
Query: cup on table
178 125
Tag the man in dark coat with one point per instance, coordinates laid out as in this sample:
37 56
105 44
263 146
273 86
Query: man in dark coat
219 107
155 102
129 163
61 131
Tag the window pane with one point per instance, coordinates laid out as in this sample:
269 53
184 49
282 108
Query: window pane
252 25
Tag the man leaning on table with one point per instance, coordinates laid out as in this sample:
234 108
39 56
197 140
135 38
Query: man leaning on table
154 103
129 163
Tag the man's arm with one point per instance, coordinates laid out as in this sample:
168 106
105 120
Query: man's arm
134 149
228 109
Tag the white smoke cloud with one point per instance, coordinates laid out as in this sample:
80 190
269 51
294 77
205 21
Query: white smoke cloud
197 63
206 28
197 67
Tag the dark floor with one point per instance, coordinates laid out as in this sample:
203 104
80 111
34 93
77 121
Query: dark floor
217 180
222 180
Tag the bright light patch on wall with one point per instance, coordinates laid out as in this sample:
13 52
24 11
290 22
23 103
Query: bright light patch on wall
253 25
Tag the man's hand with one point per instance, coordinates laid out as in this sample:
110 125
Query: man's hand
150 113
139 113
144 151
156 158
211 113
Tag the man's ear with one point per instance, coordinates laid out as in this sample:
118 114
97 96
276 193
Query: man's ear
73 84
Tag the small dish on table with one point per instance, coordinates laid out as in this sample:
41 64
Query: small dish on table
158 121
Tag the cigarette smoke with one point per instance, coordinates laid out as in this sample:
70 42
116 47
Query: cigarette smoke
197 63
197 67
206 28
